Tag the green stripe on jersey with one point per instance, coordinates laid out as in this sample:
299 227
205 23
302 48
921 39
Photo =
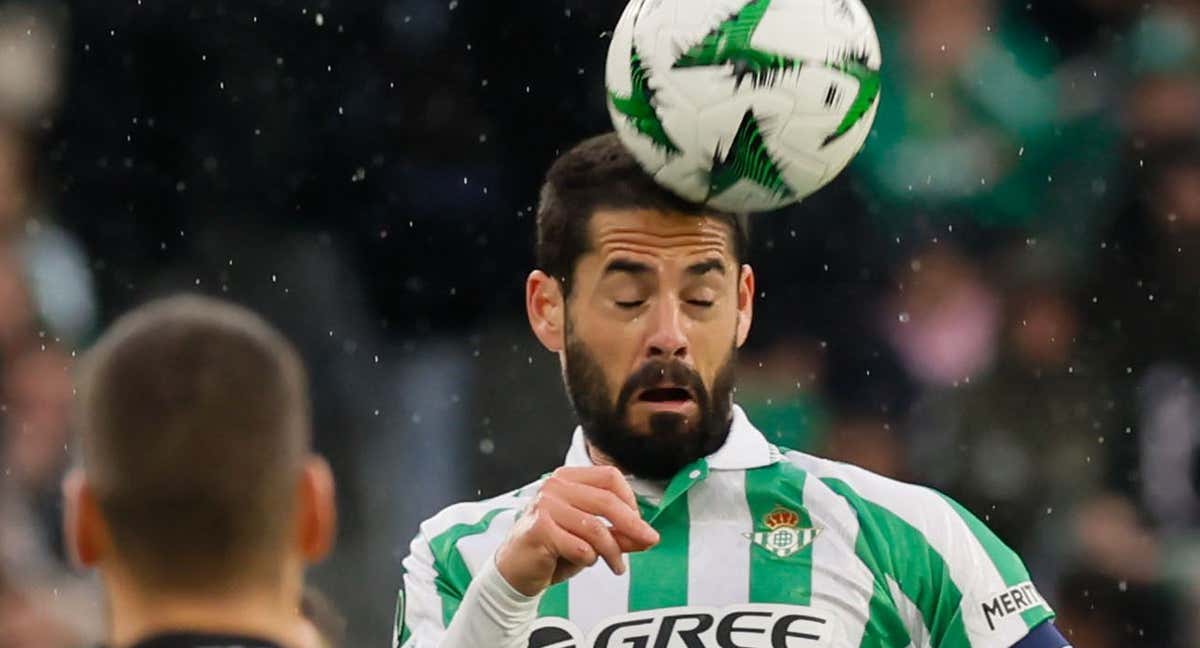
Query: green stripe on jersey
922 574
554 601
775 579
885 628
1011 569
658 576
453 576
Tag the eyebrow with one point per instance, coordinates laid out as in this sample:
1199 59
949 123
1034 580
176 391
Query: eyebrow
624 265
704 267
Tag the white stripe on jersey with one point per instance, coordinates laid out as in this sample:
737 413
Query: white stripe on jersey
841 581
718 552
479 547
418 567
596 594
908 611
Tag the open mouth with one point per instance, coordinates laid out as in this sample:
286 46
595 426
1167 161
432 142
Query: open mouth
665 395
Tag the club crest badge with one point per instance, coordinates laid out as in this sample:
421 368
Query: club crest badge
783 536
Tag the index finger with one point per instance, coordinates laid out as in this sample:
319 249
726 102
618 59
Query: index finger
606 477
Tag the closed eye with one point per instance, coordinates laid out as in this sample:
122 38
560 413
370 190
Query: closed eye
629 305
702 303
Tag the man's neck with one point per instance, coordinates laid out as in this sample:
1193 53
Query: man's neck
265 614
598 458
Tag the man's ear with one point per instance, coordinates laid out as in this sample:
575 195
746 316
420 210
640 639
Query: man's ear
317 508
745 294
85 531
544 304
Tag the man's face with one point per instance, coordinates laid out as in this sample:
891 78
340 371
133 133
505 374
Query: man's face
658 307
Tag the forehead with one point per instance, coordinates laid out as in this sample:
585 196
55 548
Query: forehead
658 233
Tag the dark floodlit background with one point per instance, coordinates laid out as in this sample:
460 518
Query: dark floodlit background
1000 298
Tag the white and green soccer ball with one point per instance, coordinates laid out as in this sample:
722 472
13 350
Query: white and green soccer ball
743 105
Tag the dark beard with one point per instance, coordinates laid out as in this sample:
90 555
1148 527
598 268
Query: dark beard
673 441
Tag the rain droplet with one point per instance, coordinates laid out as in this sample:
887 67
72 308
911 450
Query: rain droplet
903 317
487 446
320 20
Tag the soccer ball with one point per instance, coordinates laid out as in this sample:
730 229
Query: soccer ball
743 105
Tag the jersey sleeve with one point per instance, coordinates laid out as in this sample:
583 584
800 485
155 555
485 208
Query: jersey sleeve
420 621
440 565
1000 604
949 579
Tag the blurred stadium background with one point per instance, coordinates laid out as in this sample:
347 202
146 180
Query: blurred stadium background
1001 297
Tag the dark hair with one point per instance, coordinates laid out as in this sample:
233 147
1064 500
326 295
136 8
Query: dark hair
194 421
600 173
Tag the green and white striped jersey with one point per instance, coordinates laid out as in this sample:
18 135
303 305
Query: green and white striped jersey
759 547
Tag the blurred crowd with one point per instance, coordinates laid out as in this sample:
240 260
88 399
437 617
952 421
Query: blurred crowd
999 299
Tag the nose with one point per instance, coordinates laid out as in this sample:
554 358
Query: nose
668 338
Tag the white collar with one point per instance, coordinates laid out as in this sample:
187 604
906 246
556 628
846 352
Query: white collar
744 448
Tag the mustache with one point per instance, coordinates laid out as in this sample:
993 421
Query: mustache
656 372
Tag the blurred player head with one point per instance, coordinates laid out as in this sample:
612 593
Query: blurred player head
645 297
198 484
